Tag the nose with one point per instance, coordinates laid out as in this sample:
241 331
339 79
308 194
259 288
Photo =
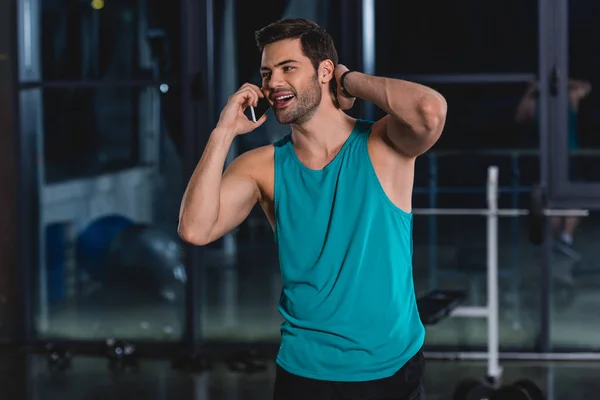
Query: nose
275 81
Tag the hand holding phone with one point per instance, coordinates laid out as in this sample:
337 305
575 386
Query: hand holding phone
261 109
235 116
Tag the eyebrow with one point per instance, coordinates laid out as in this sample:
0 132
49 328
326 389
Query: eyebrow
279 64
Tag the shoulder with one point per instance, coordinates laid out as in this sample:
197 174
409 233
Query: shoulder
255 160
256 164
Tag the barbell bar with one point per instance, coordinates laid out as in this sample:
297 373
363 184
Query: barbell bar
484 212
536 214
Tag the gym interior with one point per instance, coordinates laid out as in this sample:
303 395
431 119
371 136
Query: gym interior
107 106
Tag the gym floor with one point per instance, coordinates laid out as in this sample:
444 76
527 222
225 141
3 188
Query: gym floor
27 377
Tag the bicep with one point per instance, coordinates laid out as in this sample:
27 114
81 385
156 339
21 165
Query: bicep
238 195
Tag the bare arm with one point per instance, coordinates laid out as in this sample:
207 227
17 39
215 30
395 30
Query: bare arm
578 90
526 108
416 113
214 203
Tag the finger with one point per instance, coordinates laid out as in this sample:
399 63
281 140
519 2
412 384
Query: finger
254 96
245 97
254 88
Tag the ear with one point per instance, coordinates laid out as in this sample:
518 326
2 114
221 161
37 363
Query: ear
326 71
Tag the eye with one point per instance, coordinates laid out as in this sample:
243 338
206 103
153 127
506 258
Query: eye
265 75
287 68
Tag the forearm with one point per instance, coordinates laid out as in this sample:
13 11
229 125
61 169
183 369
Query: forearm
200 204
414 105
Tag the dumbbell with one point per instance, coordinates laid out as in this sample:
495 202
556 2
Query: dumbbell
58 357
477 390
193 363
247 362
121 355
521 390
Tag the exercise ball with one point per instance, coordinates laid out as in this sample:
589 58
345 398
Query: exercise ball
145 257
93 244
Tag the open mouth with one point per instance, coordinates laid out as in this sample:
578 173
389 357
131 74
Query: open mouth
280 101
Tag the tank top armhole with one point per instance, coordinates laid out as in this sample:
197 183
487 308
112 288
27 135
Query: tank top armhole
276 150
279 147
364 144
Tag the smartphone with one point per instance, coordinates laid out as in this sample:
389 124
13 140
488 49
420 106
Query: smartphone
261 109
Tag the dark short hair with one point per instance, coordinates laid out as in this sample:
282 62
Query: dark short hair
317 45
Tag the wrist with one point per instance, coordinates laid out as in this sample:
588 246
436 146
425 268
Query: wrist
348 83
343 85
223 133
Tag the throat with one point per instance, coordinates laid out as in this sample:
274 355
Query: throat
317 146
317 160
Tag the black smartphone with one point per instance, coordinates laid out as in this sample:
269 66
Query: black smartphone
261 109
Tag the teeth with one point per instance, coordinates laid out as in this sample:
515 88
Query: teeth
289 96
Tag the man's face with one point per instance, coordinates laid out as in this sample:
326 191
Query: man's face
290 82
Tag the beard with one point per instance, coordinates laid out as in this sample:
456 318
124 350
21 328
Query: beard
304 105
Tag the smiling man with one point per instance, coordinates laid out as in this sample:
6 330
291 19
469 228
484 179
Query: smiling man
337 192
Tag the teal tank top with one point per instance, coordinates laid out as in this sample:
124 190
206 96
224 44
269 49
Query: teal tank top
573 139
345 252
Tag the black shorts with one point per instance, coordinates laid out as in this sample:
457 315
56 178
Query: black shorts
406 384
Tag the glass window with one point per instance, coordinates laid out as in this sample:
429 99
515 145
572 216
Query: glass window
482 129
104 40
583 140
466 36
92 131
111 263
574 163
575 283
450 253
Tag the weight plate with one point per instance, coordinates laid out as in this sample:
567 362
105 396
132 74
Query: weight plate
531 388
510 393
463 389
538 202
480 392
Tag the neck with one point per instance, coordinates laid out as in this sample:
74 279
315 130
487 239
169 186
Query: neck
324 132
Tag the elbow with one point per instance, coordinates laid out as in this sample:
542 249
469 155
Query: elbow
197 237
433 112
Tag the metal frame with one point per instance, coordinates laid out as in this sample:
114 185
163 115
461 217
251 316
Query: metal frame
469 78
563 191
17 198
491 311
30 162
545 56
90 84
368 48
198 113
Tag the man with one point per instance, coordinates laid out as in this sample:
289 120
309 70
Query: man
337 192
527 112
